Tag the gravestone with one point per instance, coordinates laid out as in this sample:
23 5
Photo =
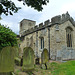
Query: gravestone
17 58
28 59
6 61
9 73
20 53
44 59
44 56
16 51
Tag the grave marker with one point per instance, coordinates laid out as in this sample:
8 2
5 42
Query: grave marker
6 60
28 59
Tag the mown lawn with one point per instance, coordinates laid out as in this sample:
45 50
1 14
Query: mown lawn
67 68
54 68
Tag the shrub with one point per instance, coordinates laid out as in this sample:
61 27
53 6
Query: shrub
7 37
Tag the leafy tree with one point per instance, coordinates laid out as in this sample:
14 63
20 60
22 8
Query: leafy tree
8 7
36 4
7 37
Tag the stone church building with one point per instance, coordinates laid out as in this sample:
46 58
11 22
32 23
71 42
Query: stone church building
57 36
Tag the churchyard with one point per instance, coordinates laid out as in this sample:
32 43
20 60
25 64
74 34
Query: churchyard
12 64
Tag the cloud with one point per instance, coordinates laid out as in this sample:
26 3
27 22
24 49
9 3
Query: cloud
53 8
57 7
13 26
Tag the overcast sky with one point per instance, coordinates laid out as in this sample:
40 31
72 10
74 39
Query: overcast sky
53 8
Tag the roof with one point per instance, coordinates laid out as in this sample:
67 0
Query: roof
27 20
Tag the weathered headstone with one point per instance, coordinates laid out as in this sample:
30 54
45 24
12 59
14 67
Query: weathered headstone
44 59
6 61
17 58
9 73
16 51
20 53
44 56
28 59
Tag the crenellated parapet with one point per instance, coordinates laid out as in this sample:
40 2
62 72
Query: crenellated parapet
54 20
62 18
36 28
46 22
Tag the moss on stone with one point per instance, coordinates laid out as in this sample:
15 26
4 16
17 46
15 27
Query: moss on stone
8 73
16 51
44 56
7 60
17 61
28 59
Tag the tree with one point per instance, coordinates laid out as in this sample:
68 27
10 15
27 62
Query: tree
7 37
8 7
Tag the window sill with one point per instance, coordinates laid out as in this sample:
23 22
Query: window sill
69 48
41 50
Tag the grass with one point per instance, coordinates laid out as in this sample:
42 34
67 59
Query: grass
67 68
17 72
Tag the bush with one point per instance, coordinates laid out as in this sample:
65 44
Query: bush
7 37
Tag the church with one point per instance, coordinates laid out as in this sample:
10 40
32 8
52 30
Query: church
56 35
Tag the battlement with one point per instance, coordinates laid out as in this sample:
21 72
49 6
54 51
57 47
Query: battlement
36 28
62 18
54 20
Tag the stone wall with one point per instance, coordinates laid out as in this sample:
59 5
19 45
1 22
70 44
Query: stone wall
57 34
25 25
65 54
58 37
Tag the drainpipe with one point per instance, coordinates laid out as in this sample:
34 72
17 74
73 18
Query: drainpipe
49 41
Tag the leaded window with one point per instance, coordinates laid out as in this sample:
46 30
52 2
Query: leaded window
69 36
42 43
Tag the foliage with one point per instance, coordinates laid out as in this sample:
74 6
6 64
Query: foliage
8 6
36 4
7 37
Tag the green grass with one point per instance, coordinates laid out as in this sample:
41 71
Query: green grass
67 68
17 72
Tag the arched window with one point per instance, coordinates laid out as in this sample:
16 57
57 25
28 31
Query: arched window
69 36
42 42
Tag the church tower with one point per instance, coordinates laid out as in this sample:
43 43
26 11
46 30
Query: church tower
26 24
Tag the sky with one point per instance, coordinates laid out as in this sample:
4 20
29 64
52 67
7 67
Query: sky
53 8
